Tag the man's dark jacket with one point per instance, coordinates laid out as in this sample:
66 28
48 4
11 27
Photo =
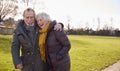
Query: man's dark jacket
30 56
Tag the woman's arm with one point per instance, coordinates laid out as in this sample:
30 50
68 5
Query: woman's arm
64 41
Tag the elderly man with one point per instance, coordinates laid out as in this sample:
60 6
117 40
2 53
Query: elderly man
25 38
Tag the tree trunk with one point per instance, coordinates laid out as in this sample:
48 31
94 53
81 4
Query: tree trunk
1 19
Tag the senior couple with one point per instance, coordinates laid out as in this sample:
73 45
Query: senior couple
40 44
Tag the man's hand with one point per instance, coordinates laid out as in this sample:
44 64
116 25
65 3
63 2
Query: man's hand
19 66
58 27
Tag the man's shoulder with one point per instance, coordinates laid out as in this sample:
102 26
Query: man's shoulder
19 22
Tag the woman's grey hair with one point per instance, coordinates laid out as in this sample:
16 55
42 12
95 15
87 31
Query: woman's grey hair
44 15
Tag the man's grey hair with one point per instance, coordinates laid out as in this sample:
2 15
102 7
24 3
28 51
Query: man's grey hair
44 15
28 10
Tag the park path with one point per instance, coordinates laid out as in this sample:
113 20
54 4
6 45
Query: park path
114 67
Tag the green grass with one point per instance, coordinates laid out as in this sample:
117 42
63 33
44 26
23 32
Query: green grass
92 53
5 56
88 53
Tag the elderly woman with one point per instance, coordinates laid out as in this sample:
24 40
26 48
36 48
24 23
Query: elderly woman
54 45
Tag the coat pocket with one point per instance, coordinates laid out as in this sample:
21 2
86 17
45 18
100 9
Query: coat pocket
26 59
53 60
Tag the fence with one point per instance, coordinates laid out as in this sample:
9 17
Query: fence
6 31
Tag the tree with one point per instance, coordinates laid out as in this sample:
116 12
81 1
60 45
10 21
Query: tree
7 7
98 27
26 1
29 2
9 22
68 20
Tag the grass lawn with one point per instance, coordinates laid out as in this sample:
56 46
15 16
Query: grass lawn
88 53
5 56
92 53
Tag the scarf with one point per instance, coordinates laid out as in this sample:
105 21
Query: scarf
42 38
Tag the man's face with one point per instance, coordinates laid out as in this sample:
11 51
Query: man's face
29 17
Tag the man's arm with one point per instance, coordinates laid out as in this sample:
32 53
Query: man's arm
58 26
15 51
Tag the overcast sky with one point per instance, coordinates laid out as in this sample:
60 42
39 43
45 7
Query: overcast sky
81 12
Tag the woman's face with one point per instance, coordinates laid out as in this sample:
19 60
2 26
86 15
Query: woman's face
40 22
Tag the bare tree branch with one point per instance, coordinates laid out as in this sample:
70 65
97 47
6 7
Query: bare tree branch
7 7
26 1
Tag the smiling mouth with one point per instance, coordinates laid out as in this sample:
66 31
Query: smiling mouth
41 25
